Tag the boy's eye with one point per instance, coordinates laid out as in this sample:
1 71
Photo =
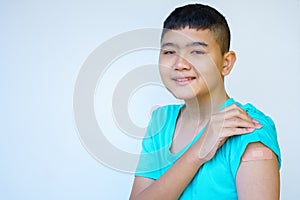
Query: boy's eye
197 52
168 52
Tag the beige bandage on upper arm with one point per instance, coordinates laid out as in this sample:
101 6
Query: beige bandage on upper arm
257 153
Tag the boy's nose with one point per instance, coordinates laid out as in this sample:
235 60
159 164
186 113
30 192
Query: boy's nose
182 64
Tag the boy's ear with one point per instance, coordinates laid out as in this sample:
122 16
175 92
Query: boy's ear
228 62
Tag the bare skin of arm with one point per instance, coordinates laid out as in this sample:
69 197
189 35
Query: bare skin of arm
258 178
228 122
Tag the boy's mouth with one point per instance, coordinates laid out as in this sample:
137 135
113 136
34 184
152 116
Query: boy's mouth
183 80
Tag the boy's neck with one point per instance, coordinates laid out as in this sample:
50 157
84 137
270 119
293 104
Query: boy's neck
201 108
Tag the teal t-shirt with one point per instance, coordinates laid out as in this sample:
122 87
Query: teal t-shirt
216 178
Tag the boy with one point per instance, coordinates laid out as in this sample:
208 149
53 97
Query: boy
211 147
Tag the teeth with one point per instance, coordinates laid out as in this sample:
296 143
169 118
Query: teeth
183 79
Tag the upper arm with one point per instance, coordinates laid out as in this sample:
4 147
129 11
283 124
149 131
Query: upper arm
258 178
139 185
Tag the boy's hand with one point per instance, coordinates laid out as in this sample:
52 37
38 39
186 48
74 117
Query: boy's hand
230 121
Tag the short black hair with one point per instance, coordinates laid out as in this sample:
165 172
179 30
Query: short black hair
200 17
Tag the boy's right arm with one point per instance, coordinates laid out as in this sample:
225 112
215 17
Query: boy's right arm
230 121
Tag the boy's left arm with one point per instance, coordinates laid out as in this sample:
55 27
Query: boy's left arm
258 174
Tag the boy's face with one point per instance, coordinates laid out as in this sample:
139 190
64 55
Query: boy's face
190 63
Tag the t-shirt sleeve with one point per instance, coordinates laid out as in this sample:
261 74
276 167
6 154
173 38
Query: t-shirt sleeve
149 165
267 135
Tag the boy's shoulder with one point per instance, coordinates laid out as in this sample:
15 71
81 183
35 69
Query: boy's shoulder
258 114
266 135
167 109
253 111
164 114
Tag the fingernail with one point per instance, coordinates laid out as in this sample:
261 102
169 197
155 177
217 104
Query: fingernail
250 129
255 121
258 125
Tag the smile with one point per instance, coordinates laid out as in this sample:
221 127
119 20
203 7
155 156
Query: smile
183 80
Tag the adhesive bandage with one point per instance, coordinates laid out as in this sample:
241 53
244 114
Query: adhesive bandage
258 153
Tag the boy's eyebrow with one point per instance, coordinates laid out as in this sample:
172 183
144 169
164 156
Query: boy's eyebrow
197 44
169 44
187 45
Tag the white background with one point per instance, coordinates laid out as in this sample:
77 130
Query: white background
44 44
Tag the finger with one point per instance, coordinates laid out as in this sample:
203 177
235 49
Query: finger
228 132
236 111
236 122
232 106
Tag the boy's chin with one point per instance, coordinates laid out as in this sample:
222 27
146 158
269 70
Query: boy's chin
185 97
190 96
